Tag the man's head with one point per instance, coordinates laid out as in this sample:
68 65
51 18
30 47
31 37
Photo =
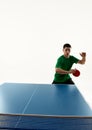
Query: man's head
66 49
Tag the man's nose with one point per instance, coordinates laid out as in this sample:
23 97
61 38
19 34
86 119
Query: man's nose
68 51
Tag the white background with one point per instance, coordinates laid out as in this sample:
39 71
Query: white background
32 33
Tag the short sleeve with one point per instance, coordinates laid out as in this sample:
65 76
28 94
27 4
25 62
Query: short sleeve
59 63
75 60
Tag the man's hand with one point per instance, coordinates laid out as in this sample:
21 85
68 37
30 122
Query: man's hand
83 54
83 60
72 71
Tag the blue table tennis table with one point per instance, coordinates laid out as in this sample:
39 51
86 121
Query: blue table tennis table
43 106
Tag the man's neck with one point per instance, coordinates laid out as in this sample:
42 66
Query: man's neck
66 56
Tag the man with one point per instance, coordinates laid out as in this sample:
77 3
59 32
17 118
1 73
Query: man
64 65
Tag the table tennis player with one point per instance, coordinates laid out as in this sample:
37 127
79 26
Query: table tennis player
64 65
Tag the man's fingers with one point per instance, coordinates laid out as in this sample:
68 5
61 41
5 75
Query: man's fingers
83 54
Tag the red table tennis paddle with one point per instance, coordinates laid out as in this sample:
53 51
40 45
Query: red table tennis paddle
77 73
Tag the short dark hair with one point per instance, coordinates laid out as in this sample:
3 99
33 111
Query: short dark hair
66 45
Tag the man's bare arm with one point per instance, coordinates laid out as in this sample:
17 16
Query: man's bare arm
61 71
83 60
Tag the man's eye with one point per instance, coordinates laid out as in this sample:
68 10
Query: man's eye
67 50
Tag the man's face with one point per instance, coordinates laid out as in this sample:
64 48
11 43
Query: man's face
66 51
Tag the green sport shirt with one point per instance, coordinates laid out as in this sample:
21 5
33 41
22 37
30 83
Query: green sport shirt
65 64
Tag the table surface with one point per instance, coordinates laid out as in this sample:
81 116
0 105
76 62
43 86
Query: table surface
42 99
